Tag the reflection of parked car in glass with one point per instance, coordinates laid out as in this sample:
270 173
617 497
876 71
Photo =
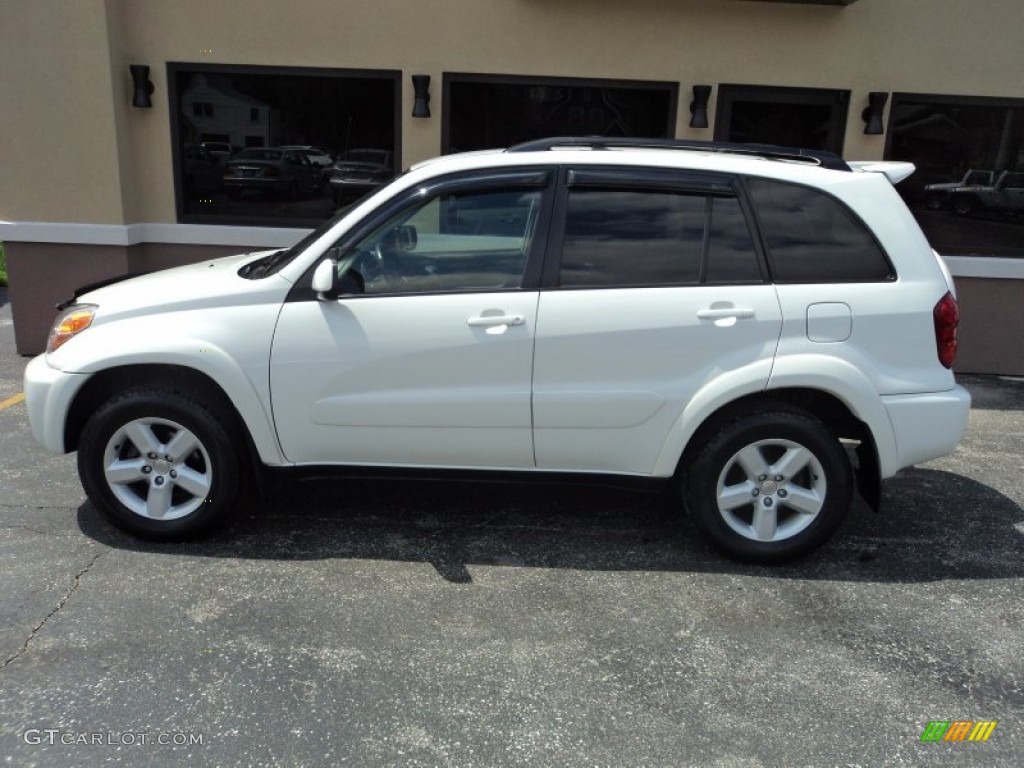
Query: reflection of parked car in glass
1006 196
936 196
321 158
274 170
358 171
221 150
203 172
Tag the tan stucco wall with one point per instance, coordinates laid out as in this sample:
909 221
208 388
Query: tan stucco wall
73 149
58 153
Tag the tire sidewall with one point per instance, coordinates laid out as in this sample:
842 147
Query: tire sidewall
194 416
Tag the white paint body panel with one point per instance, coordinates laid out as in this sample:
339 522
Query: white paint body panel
405 380
615 368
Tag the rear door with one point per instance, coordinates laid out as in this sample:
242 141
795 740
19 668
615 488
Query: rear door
653 288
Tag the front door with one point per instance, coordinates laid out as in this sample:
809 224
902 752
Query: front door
425 359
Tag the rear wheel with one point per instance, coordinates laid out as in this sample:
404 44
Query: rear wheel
159 464
770 486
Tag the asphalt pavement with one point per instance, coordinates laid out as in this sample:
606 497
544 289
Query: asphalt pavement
411 623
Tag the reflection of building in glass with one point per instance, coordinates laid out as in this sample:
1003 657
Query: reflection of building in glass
214 111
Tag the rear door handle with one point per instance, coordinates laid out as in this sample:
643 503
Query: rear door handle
720 312
489 321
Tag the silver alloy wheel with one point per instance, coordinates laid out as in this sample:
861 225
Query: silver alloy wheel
771 490
157 468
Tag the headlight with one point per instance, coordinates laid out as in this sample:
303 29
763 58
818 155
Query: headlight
71 322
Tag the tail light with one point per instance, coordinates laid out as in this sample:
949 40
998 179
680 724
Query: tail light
947 317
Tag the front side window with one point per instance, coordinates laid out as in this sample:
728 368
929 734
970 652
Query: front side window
813 238
622 238
454 242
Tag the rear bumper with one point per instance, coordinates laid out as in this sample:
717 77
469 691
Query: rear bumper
926 426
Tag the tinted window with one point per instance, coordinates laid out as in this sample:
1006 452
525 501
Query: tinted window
486 111
961 147
466 241
265 109
655 237
731 254
615 238
812 238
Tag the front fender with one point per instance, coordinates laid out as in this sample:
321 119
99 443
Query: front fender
237 361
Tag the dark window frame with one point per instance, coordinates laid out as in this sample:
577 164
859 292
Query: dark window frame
177 68
838 99
450 78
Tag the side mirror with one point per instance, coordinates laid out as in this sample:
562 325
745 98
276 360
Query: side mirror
406 238
325 279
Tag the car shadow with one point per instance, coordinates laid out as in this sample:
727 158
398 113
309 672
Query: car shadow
994 393
933 525
3 295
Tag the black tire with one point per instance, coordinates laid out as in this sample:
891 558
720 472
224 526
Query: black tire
169 497
783 519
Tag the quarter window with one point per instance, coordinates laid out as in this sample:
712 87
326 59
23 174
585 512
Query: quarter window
813 238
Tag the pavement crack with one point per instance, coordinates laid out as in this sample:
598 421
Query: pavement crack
63 601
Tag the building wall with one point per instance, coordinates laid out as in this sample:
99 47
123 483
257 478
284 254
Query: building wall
74 150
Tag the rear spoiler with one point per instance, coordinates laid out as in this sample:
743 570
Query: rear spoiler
893 171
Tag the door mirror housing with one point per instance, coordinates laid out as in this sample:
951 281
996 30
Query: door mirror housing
325 279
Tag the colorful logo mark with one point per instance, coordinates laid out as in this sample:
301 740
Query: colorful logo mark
958 730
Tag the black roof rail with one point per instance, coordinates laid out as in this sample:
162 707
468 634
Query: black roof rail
820 158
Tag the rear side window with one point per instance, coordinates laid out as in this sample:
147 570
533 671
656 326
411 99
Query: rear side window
813 238
654 237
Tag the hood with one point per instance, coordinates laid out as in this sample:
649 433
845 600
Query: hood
208 283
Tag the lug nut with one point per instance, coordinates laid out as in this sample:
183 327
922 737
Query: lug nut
762 478
151 455
173 473
756 492
779 478
782 492
768 501
159 480
147 469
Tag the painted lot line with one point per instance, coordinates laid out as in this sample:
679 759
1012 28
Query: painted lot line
10 401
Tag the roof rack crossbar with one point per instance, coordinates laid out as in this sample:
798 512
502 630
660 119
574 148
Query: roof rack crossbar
820 158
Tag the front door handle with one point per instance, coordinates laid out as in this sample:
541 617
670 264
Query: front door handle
489 321
718 313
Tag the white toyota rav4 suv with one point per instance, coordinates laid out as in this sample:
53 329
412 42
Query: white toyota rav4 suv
767 328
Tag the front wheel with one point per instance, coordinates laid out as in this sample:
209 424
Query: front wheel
769 486
160 464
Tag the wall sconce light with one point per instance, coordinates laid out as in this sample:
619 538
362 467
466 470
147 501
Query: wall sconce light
872 114
143 87
699 106
421 92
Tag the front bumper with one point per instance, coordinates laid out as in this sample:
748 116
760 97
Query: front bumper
926 426
48 396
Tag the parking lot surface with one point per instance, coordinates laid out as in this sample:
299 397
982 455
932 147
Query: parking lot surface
412 623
